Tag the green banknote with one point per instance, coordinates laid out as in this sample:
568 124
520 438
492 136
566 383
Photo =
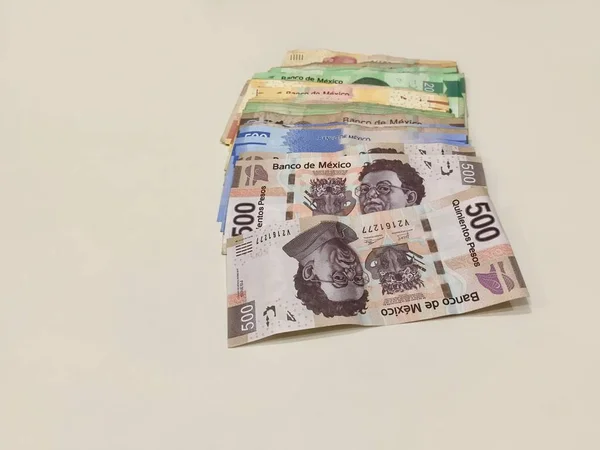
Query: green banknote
383 268
452 85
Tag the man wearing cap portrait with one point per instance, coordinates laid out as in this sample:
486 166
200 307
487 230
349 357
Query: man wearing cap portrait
330 279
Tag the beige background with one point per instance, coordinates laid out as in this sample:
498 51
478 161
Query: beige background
112 308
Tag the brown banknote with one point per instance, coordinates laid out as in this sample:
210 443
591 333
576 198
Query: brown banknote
384 268
265 192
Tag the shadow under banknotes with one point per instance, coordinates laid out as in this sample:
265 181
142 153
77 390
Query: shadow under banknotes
517 306
309 334
513 307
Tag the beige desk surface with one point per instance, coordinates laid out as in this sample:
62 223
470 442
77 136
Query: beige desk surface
112 307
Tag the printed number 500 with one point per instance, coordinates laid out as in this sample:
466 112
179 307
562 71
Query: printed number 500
483 223
247 318
243 218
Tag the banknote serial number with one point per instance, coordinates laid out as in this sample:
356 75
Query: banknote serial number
482 221
400 223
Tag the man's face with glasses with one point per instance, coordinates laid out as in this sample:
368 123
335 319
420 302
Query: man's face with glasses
382 190
338 269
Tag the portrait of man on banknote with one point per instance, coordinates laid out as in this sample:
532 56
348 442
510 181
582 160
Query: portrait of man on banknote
388 184
330 279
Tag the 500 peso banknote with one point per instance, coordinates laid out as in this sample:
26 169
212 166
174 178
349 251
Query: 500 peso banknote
383 268
260 152
265 192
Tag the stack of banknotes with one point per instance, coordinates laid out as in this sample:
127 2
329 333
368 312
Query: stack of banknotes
352 197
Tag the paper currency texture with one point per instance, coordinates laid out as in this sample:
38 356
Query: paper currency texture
330 137
370 120
332 184
451 85
383 268
309 150
255 105
303 92
303 57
